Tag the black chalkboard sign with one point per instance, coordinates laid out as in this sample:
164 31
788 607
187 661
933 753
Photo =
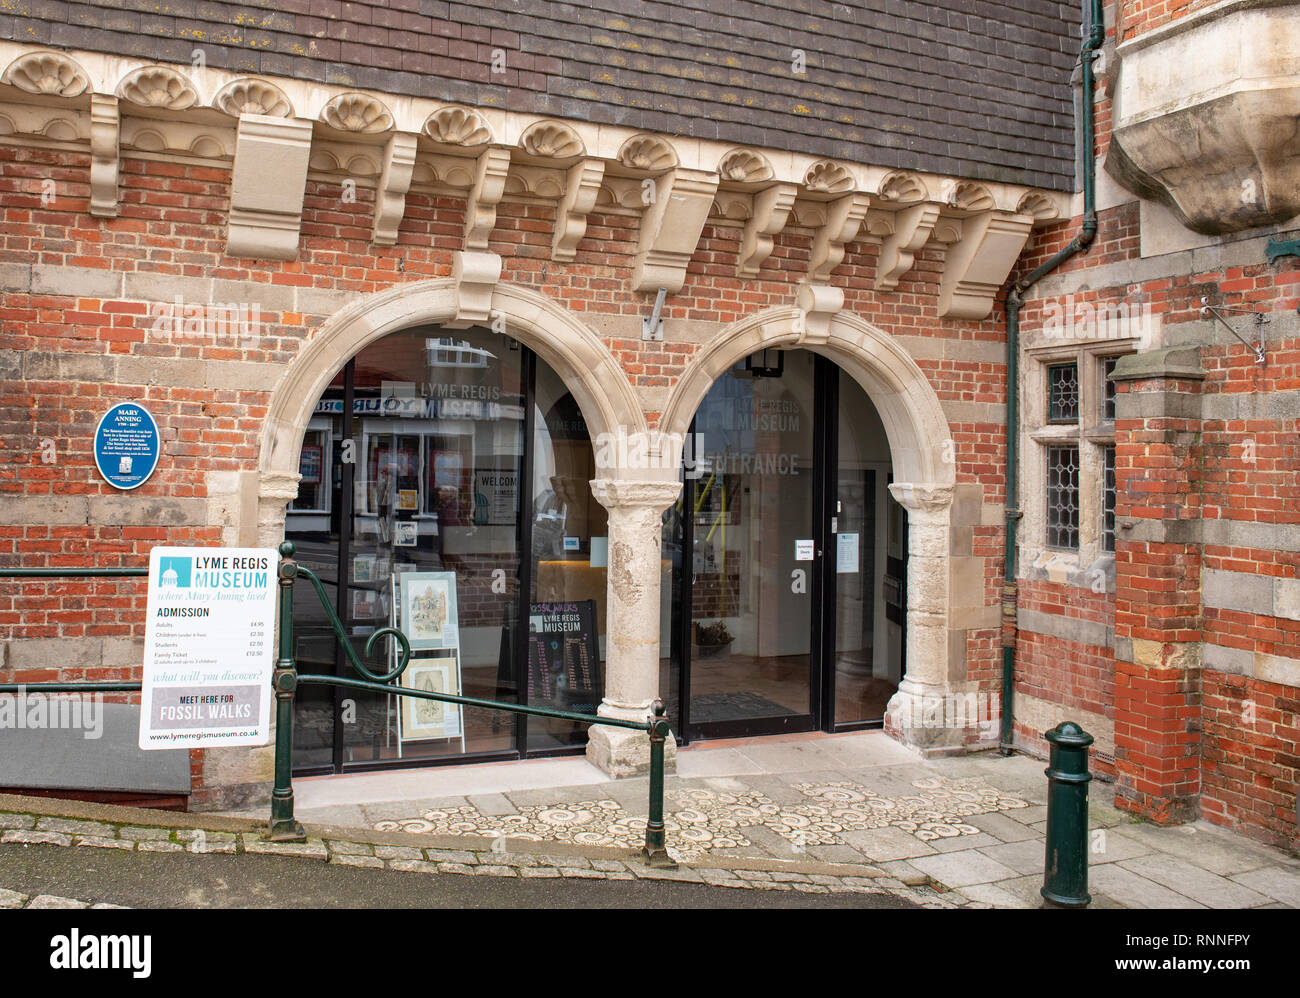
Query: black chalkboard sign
564 657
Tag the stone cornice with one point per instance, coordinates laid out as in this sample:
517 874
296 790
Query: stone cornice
676 185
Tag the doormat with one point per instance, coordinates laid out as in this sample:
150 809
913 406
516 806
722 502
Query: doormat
710 707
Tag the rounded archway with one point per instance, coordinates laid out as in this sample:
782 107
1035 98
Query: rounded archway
577 354
909 408
923 467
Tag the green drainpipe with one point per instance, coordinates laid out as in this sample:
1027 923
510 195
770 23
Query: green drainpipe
1095 35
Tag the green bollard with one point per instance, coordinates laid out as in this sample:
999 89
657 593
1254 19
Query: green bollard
1065 872
283 827
655 851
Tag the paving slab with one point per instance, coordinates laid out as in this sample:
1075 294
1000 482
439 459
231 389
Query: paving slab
1207 847
1275 882
1002 828
1134 890
884 844
961 869
1025 857
1208 888
956 843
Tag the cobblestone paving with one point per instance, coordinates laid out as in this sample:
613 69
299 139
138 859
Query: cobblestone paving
493 861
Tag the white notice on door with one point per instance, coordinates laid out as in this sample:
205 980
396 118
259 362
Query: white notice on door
846 554
803 550
208 647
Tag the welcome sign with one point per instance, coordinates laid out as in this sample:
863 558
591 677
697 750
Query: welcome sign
208 647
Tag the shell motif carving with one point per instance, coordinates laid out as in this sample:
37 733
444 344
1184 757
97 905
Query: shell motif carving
902 187
50 73
972 197
158 86
1037 204
457 126
828 178
357 113
744 166
250 96
552 140
646 152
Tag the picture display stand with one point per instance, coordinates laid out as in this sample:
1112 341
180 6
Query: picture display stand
424 608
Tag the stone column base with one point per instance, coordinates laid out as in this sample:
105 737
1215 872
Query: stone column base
622 752
933 721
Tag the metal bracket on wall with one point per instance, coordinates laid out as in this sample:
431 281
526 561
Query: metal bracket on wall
653 327
1260 318
1278 248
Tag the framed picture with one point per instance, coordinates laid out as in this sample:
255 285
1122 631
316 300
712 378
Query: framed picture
309 464
363 568
406 533
365 604
424 719
408 499
429 617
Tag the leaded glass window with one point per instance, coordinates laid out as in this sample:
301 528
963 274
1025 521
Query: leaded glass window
1108 500
1108 389
1063 497
1063 393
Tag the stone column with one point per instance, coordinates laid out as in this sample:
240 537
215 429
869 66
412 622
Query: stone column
636 511
917 714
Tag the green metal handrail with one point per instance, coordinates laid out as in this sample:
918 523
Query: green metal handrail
283 827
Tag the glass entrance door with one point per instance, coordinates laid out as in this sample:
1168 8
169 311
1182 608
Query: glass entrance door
783 551
753 552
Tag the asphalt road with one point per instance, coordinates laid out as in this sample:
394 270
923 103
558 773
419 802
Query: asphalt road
185 880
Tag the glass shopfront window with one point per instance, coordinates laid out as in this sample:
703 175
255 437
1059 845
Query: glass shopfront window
433 463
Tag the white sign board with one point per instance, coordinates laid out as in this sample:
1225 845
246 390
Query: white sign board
846 554
208 647
803 550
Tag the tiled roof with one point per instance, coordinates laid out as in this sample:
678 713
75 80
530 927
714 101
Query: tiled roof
973 88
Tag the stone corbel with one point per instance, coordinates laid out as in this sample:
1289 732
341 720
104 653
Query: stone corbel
912 227
671 227
843 220
580 190
105 126
978 263
818 304
390 198
476 276
771 211
267 186
481 206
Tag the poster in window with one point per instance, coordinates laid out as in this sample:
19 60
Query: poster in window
564 657
429 617
496 496
424 719
310 463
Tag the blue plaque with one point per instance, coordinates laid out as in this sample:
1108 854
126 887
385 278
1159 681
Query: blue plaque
127 445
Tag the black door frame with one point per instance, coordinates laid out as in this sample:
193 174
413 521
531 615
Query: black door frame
821 642
518 642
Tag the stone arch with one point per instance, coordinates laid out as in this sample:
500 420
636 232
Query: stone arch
913 418
577 354
924 479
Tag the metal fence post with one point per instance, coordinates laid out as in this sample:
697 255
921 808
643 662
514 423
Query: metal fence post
655 851
1065 872
283 827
